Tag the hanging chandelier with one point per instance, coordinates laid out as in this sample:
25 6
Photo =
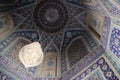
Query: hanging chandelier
31 55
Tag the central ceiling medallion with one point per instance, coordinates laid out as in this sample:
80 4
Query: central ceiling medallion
50 15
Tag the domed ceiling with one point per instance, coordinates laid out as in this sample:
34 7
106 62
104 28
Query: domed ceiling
61 26
50 16
53 18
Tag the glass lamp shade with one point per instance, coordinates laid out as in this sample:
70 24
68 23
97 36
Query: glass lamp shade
31 55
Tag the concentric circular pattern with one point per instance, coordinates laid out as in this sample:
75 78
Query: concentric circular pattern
50 15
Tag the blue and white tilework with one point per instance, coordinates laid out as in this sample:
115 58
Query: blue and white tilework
69 35
111 8
114 61
105 68
81 65
115 42
31 35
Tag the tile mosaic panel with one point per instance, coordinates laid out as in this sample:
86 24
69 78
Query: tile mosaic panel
115 42
13 53
32 35
111 8
69 35
72 24
105 31
83 64
98 8
95 75
104 67
57 38
14 69
93 8
76 51
114 61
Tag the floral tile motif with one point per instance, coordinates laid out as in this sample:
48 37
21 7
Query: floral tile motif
76 51
112 9
95 75
14 69
114 61
104 67
69 35
115 42
32 35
